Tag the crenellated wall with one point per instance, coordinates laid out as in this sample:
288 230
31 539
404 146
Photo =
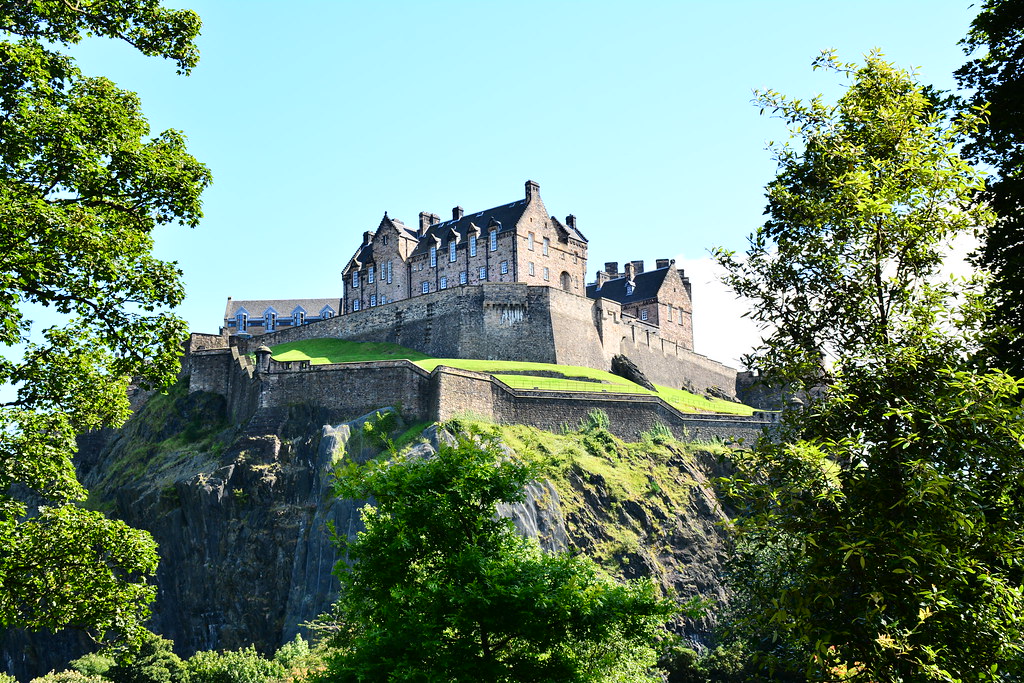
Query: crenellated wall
348 390
515 321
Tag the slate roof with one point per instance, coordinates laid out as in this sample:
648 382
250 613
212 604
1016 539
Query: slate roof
646 286
506 215
283 307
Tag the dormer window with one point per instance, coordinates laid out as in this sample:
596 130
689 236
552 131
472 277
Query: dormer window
629 289
298 318
269 321
242 322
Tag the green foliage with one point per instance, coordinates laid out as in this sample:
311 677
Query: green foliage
150 659
7 678
93 664
61 677
236 666
439 583
82 186
880 535
996 77
292 653
595 419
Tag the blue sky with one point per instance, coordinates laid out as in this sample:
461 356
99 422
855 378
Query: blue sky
316 117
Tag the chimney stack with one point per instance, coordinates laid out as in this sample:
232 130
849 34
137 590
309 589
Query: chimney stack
612 269
638 267
570 220
532 190
662 263
602 277
426 220
367 237
457 213
630 270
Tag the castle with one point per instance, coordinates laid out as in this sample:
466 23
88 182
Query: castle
516 242
504 283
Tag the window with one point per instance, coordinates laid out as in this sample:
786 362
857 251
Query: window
504 267
389 271
629 289
326 313
494 240
643 314
463 276
547 243
547 274
242 322
425 287
355 279
355 305
444 282
531 269
451 251
298 318
433 257
373 300
472 245
670 313
269 320
369 275
383 299
529 242
483 272
384 240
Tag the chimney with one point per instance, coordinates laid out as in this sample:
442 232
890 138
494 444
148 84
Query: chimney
532 190
630 270
367 236
570 220
457 213
426 220
662 263
638 267
602 277
612 268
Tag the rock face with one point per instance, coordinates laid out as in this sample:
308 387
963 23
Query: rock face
242 516
624 367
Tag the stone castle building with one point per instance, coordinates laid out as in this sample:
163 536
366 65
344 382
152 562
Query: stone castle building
516 242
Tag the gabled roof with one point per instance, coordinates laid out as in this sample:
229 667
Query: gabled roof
364 254
569 231
505 216
646 286
283 307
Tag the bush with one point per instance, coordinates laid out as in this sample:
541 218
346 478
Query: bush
93 664
70 676
150 661
233 666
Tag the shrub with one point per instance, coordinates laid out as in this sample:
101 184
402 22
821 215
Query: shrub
70 676
233 666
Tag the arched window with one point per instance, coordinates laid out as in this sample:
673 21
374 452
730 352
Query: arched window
566 281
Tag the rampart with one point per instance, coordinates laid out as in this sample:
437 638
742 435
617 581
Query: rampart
515 321
347 390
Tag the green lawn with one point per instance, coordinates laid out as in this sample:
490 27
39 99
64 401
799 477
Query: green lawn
324 351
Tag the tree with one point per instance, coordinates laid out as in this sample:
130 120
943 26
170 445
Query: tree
82 185
441 589
997 79
883 524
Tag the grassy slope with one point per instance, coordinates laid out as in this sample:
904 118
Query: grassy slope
323 351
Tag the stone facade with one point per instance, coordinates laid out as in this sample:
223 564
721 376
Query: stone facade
259 392
268 315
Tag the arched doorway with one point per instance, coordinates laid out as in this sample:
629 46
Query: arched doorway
566 280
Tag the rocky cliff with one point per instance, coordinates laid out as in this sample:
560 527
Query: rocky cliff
242 514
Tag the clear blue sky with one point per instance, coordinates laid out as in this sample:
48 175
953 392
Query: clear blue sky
316 117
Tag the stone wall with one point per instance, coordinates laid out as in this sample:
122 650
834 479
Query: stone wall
515 321
352 389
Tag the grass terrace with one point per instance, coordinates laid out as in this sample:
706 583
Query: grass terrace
519 375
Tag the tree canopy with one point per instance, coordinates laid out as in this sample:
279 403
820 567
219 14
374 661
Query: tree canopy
886 516
996 77
83 183
441 589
